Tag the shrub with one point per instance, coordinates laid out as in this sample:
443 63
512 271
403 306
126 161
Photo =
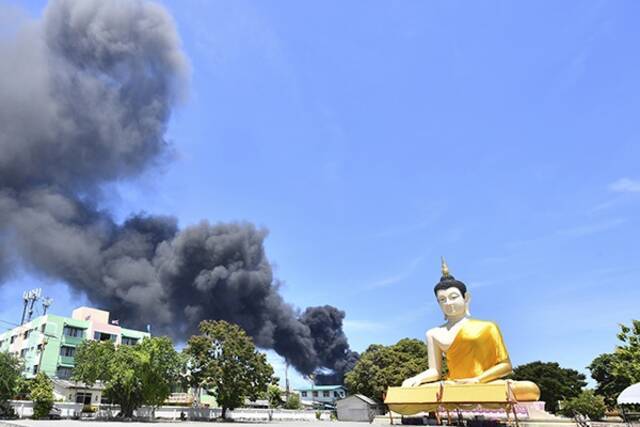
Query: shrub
42 396
293 402
586 403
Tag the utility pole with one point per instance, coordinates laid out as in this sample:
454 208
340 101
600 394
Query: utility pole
45 341
286 377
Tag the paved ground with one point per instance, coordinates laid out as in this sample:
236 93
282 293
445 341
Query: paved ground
74 423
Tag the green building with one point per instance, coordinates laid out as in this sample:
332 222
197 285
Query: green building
48 343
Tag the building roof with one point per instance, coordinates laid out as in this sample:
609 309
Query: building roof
77 384
322 388
366 399
630 395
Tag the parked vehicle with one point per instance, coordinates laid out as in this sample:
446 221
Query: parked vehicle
55 414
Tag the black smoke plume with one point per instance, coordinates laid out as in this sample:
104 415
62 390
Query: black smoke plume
85 96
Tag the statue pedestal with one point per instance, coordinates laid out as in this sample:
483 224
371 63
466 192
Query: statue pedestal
431 397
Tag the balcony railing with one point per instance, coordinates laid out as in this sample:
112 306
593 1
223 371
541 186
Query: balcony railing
67 360
66 339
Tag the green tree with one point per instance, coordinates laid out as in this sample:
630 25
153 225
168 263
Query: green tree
10 369
274 396
556 383
42 395
293 402
23 388
161 368
382 366
626 364
586 403
195 375
92 361
124 382
133 375
609 385
224 360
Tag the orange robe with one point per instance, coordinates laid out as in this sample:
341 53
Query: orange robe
477 347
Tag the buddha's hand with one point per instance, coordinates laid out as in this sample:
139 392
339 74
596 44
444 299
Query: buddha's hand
411 382
474 380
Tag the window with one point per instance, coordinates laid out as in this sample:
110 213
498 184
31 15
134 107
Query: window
84 398
103 336
303 393
129 341
23 352
35 369
26 333
43 327
13 339
325 394
64 372
315 394
67 351
70 331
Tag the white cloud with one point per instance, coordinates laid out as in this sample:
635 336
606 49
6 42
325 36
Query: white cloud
625 185
391 280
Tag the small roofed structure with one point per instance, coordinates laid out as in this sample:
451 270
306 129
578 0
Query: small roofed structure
629 396
356 407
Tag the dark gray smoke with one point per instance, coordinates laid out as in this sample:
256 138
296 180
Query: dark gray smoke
85 96
330 342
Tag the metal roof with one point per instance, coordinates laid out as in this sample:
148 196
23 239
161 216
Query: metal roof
362 397
322 388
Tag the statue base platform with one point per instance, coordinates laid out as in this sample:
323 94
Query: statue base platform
450 396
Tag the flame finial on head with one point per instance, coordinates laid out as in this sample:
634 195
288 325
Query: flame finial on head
445 268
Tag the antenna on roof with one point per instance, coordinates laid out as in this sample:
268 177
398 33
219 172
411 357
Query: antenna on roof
46 303
25 299
34 296
29 299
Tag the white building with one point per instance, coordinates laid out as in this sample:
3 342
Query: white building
321 395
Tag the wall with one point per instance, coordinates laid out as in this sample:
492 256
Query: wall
354 409
24 409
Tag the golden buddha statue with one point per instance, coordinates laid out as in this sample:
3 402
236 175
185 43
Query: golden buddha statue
476 357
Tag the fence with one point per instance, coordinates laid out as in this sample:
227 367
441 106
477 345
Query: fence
24 409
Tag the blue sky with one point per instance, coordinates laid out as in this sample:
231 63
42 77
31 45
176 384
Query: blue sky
372 137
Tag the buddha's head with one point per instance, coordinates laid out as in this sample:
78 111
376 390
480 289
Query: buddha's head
452 294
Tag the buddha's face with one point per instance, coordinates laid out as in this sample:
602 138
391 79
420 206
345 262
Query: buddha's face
452 303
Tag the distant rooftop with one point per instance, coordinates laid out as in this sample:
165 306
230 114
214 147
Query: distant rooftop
321 388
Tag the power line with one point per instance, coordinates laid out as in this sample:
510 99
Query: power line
8 323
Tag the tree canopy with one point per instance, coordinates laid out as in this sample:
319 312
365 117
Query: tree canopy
224 360
133 375
586 403
626 364
10 369
382 366
615 371
274 396
556 383
609 384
